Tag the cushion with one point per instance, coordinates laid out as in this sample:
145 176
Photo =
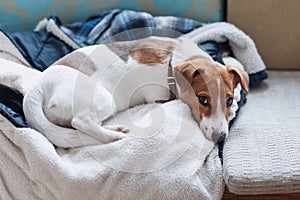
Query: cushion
261 155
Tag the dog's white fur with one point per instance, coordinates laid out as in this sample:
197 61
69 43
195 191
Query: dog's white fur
68 106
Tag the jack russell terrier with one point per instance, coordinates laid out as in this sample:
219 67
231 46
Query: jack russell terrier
79 91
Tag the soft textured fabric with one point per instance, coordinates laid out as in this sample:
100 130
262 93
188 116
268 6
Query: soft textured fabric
15 81
165 156
243 47
105 26
17 76
11 104
9 51
217 50
261 155
40 49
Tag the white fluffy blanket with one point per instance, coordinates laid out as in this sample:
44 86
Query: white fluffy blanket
165 157
241 44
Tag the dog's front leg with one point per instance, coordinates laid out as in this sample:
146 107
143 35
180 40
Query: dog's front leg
88 123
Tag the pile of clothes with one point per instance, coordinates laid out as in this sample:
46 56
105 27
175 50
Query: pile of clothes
198 171
51 40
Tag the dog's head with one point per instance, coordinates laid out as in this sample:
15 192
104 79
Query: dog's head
208 88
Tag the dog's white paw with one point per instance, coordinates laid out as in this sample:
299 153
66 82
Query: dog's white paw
117 128
115 132
113 136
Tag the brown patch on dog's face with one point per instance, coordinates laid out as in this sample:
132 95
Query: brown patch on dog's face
145 51
208 87
78 61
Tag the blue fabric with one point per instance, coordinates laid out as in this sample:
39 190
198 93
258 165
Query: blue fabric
258 77
11 102
40 49
103 27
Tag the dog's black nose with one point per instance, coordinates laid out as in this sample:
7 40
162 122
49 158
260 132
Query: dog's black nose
222 137
218 137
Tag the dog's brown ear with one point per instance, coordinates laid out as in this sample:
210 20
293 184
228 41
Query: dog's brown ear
187 70
184 74
239 76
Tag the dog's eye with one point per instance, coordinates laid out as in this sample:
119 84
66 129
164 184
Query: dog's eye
229 101
203 100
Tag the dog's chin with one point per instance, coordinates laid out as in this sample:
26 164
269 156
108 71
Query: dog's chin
210 136
205 132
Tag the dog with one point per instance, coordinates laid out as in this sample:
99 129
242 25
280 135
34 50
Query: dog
84 88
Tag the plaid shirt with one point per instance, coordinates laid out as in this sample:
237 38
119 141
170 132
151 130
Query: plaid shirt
117 24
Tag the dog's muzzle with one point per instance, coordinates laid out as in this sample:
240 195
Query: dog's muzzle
218 137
